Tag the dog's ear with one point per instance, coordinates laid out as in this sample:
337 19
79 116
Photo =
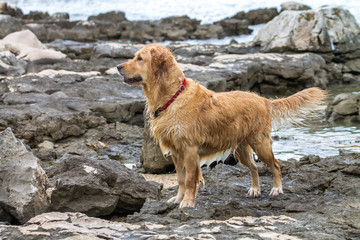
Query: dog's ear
159 57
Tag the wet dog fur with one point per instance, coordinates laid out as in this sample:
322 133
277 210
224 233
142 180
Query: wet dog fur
202 126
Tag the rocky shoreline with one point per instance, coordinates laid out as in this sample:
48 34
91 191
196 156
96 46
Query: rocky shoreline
70 123
321 201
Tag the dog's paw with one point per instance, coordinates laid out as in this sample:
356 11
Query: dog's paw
254 192
175 200
187 203
276 191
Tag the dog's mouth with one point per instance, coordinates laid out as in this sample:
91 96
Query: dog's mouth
132 80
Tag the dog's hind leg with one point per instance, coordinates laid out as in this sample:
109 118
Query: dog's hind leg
192 176
180 172
242 154
262 145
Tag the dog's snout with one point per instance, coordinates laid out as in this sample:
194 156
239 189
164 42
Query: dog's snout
120 67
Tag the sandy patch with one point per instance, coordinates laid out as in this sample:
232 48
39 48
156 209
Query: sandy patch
168 180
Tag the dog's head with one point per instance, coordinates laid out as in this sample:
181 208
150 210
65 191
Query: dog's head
149 65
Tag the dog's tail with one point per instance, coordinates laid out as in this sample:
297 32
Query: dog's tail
293 109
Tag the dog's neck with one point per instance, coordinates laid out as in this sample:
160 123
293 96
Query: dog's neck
158 94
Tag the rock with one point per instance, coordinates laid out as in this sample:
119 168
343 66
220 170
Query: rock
10 65
99 188
23 181
294 6
116 50
272 73
8 24
28 47
60 16
72 49
54 105
234 26
326 30
345 106
47 145
152 159
113 16
223 208
8 10
258 16
352 66
208 31
36 15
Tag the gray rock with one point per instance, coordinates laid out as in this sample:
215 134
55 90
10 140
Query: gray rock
98 188
345 106
326 30
272 73
23 182
10 65
235 26
59 16
54 105
294 6
36 15
113 16
9 24
208 31
152 159
257 16
116 50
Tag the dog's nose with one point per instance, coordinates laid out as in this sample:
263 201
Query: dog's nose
119 67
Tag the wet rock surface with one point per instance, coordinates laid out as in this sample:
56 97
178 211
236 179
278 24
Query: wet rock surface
319 194
320 201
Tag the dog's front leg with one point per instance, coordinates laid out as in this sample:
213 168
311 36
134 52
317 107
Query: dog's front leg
192 176
180 172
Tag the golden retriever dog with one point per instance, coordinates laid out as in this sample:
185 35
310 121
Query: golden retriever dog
196 125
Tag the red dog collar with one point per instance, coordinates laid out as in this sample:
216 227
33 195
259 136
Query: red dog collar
181 89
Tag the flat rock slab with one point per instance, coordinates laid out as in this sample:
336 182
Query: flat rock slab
59 104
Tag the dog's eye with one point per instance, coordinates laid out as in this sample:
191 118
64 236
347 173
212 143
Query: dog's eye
139 59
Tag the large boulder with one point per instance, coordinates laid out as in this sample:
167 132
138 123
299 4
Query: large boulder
10 65
23 182
9 24
26 45
327 30
344 107
98 187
